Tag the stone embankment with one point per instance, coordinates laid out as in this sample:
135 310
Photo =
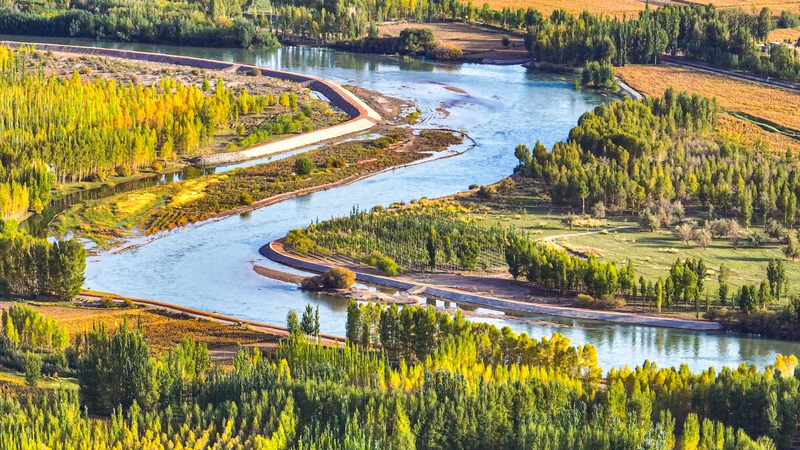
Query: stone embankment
362 117
275 252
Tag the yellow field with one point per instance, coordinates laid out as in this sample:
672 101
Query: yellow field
776 6
546 7
784 34
773 104
161 329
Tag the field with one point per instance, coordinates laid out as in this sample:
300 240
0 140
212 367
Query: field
477 43
162 329
776 105
546 7
749 5
784 34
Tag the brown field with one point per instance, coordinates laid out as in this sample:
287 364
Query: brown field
161 329
546 7
476 43
784 34
773 104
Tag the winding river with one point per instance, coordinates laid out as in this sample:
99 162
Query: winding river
209 266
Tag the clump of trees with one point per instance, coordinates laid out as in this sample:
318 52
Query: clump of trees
599 75
31 267
335 278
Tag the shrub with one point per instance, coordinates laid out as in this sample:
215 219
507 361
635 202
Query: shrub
158 167
123 171
311 283
388 266
254 73
487 192
129 303
245 199
303 166
506 41
338 278
107 302
446 52
605 302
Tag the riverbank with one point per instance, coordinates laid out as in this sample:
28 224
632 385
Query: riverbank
275 252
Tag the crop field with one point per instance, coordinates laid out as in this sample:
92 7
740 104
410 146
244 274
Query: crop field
162 329
748 5
772 104
546 7
785 34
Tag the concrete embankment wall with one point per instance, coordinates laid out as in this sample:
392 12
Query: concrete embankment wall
362 117
274 251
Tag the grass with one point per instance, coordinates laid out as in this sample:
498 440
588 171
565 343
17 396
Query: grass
652 253
770 103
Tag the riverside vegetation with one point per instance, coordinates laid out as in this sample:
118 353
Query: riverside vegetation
162 208
52 138
438 382
655 163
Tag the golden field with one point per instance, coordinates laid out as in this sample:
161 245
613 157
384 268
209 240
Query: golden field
748 5
773 104
476 42
161 329
546 7
784 34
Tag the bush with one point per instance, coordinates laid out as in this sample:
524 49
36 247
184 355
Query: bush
157 166
123 171
311 284
446 52
605 302
245 199
487 192
107 302
303 166
506 41
388 266
129 303
338 278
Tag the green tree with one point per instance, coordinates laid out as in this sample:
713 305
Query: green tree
722 277
293 324
303 166
468 254
308 325
32 367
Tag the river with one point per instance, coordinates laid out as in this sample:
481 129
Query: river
209 266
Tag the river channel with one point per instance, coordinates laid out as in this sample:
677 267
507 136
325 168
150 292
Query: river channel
209 266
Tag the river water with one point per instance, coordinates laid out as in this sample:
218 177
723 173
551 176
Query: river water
209 266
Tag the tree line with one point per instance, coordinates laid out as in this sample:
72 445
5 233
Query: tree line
477 388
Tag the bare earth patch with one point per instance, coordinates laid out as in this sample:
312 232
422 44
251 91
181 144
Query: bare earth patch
477 43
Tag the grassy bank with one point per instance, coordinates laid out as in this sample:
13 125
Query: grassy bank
161 208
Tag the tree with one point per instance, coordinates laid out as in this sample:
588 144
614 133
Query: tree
308 325
523 155
757 237
599 210
792 249
430 246
468 254
684 233
303 166
776 276
32 366
116 370
402 437
734 233
747 299
292 323
703 237
338 278
583 192
722 277
353 326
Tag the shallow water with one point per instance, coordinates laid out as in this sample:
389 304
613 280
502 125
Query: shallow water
209 266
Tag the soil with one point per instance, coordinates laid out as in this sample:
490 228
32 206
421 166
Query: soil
390 108
477 43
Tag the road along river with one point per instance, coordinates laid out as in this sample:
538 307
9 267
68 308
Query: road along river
209 266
